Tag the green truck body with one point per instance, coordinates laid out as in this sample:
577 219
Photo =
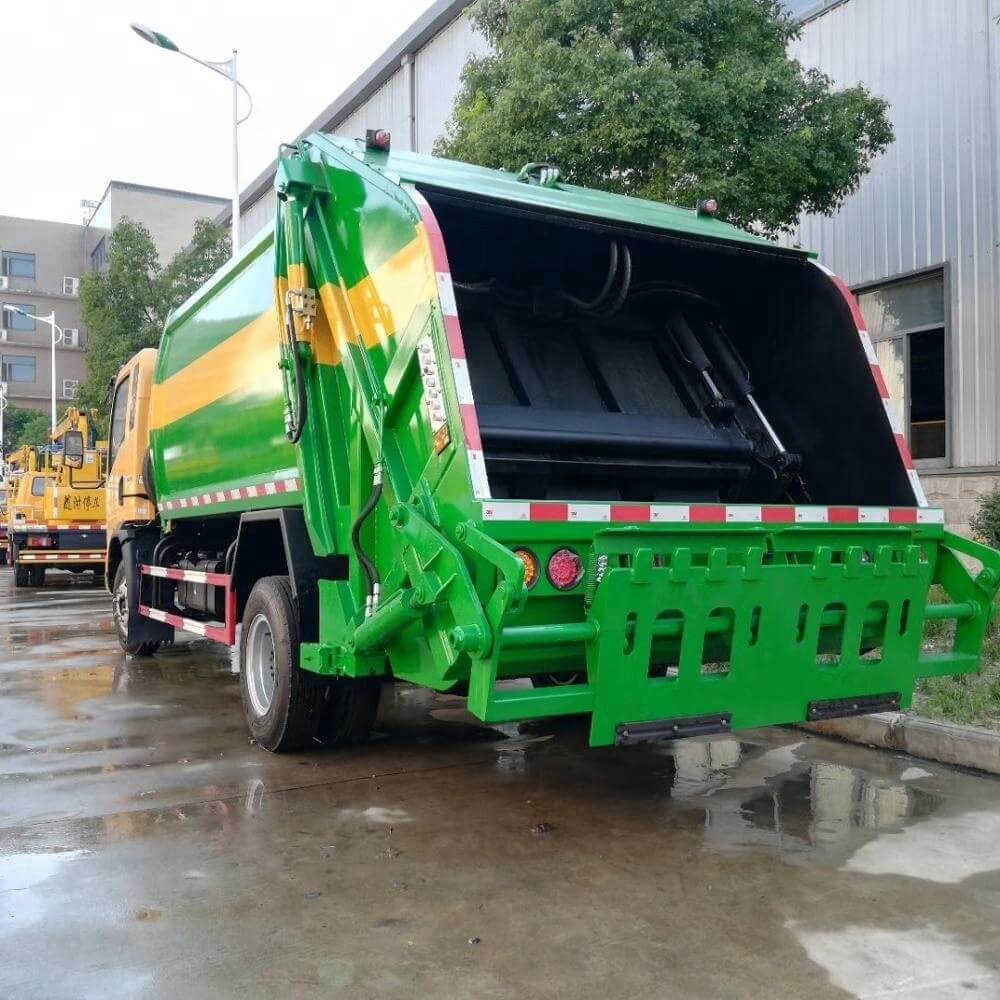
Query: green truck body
564 451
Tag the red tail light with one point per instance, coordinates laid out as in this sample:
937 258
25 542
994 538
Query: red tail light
565 569
39 542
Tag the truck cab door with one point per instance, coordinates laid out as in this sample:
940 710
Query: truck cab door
126 499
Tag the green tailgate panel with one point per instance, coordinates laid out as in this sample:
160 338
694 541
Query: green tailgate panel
723 633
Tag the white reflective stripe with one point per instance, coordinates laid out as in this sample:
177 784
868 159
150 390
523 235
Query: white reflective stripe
918 490
477 468
930 515
463 387
812 515
446 292
866 342
873 515
270 489
506 510
589 511
220 497
675 513
744 513
890 412
189 625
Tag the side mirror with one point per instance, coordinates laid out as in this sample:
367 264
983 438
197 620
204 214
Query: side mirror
73 449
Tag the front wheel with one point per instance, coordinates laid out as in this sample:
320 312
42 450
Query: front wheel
120 612
288 708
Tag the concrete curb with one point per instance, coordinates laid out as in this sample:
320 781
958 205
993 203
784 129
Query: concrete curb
966 746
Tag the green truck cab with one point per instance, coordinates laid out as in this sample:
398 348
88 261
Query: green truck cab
562 451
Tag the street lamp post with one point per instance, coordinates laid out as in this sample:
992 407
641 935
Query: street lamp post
56 329
228 70
3 406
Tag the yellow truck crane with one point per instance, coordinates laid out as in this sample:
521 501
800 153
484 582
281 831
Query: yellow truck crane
57 518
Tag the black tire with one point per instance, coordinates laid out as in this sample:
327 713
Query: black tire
299 711
120 613
20 575
36 576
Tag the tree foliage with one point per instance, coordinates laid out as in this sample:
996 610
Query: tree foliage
125 306
673 100
22 425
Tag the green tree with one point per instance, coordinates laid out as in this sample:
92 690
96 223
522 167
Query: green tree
126 305
22 425
673 100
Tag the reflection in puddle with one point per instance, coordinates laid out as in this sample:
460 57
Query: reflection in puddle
778 796
922 963
20 873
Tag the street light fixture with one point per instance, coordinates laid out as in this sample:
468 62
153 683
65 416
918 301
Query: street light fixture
228 70
56 329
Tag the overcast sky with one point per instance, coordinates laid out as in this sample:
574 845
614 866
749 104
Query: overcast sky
84 100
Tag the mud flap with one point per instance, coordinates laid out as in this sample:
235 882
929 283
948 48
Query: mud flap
687 636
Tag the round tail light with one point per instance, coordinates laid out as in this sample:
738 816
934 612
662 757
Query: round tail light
530 562
565 569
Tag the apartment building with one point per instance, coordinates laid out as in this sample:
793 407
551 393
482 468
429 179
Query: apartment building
41 264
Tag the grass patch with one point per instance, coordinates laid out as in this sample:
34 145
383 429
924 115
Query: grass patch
971 699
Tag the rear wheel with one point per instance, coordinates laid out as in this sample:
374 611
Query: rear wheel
120 612
36 576
286 707
20 575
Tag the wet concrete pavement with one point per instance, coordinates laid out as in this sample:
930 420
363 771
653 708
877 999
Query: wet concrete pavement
147 849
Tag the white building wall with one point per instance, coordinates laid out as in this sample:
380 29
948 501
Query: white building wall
438 70
413 104
931 199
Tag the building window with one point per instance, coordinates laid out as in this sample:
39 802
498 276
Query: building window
17 368
17 320
906 322
98 256
70 385
18 265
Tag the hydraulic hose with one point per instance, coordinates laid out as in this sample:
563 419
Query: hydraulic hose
373 581
296 420
599 298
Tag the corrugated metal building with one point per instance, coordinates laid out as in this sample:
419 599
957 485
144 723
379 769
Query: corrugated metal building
916 242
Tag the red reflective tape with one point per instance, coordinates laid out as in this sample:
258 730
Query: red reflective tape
777 515
453 330
842 515
707 514
852 302
218 634
883 389
630 512
904 451
549 512
902 515
470 427
280 486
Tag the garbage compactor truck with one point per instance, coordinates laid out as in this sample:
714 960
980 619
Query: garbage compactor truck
56 520
562 451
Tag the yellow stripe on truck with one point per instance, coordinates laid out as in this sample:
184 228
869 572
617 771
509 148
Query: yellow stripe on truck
379 306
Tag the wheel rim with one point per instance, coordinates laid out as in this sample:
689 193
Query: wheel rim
259 665
119 604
